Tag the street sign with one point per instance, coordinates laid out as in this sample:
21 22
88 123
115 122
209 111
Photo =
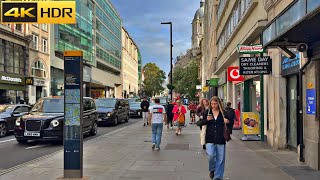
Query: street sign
254 49
311 101
73 110
255 65
234 75
207 82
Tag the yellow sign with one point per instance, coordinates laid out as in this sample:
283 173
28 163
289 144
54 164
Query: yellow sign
250 123
51 12
310 85
73 53
205 88
29 80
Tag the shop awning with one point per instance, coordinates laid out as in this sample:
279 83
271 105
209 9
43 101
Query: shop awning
299 23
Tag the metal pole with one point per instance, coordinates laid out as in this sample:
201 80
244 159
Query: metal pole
171 60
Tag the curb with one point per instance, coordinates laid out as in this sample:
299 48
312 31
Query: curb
91 141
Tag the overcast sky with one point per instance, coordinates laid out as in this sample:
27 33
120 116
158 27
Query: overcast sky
142 20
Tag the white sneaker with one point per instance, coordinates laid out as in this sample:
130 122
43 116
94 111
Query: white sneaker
179 132
157 149
171 127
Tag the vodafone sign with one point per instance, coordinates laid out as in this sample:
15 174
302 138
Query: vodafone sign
234 75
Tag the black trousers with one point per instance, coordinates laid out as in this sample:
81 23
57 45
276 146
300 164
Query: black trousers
170 119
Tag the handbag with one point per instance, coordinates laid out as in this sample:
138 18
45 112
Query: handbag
203 135
226 133
181 119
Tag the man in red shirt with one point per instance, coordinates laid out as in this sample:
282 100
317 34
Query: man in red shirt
193 108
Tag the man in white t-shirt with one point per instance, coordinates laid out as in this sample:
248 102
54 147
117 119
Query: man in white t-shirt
157 114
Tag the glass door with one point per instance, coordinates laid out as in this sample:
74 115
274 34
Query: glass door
292 114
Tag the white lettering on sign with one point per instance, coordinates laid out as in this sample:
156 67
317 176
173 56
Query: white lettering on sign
7 78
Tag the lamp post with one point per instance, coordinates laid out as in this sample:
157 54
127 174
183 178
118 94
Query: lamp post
170 56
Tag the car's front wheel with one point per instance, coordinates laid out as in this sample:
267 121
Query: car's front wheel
94 129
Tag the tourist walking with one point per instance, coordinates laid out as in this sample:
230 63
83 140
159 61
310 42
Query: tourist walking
145 110
179 112
204 105
215 118
169 109
156 117
232 116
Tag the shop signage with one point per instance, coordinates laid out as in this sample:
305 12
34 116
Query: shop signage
205 88
11 79
250 123
255 65
254 49
311 101
29 81
207 82
234 75
38 82
290 66
214 82
198 87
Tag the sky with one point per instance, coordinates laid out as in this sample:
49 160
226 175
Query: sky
142 20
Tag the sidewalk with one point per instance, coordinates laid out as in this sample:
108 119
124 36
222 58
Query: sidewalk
126 154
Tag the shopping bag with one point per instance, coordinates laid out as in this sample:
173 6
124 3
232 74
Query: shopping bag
203 135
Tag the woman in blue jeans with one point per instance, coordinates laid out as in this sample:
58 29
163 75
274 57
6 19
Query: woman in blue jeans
215 142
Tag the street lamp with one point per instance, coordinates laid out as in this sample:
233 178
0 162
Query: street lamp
170 55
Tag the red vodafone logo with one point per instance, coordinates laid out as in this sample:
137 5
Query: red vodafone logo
234 75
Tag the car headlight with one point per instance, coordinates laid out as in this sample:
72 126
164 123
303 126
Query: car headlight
18 121
55 123
109 114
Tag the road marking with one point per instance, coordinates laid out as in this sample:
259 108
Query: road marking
7 140
37 146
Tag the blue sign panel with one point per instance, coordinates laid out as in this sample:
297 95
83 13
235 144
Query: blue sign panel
73 110
311 101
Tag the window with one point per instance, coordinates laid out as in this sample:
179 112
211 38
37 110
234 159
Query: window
44 45
38 69
19 27
45 27
35 41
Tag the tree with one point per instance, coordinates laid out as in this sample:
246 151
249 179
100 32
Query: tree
185 79
154 77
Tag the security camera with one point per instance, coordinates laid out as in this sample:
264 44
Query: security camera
302 47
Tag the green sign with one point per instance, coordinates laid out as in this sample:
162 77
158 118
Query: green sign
214 82
253 49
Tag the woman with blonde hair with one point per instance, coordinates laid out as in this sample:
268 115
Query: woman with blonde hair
179 112
215 118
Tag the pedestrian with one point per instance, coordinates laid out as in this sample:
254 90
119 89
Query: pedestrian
157 114
215 118
170 107
232 116
192 107
179 112
145 110
204 105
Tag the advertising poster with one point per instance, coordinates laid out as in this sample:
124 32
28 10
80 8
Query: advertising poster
250 123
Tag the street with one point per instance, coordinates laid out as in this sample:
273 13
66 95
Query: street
13 154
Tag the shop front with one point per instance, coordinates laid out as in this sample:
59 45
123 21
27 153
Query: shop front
290 71
222 87
12 88
297 26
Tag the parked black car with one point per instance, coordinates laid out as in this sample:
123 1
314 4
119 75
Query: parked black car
8 116
135 109
46 120
111 110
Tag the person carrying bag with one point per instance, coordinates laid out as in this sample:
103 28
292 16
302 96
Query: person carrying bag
179 112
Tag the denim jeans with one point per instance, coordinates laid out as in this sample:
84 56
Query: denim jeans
216 156
157 133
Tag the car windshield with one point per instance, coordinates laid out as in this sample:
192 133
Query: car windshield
6 108
106 103
135 104
49 106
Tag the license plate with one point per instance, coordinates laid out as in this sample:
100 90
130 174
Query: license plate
32 134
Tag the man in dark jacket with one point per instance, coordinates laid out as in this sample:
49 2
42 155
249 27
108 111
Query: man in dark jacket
145 110
232 116
169 114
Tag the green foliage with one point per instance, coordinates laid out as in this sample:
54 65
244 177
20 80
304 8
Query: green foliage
185 79
154 77
170 86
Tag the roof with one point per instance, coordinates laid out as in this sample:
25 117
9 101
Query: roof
200 12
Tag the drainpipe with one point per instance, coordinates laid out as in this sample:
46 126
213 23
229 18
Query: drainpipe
301 72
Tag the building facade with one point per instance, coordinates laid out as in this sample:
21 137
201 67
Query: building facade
39 61
286 98
130 66
98 34
14 63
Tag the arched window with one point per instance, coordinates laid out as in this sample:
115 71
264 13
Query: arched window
38 69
